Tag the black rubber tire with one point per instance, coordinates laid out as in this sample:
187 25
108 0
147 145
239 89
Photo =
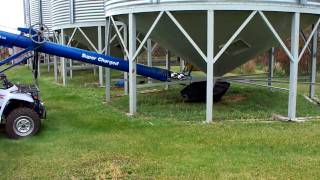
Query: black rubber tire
16 113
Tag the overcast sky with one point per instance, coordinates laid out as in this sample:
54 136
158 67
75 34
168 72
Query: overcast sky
11 13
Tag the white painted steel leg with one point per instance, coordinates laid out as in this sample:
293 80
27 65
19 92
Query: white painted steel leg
107 52
48 62
55 68
100 51
63 61
295 32
55 61
108 84
29 61
132 65
314 64
100 76
39 65
149 56
70 70
210 64
181 64
125 74
168 66
271 66
94 71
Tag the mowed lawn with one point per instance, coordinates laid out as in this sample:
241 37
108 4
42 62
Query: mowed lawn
85 138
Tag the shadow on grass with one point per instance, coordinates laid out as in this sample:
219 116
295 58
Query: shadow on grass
239 103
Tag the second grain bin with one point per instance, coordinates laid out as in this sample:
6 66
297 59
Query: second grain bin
79 23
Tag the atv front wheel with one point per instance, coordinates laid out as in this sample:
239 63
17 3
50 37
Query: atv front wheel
22 122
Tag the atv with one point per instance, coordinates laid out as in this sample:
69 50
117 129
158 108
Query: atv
21 109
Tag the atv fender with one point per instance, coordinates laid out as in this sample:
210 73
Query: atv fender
24 98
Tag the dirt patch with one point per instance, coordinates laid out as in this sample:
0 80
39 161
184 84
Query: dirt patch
234 98
103 167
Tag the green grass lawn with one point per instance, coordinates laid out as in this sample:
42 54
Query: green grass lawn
84 138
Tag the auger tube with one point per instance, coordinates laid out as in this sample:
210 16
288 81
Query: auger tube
9 40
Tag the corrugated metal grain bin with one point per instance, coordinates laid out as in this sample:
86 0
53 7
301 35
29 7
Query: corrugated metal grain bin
255 39
37 11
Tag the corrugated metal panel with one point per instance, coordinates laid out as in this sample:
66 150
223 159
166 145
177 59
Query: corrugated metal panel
60 10
114 4
46 13
37 12
316 2
26 8
88 11
67 12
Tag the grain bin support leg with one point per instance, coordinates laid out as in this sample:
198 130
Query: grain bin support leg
149 56
210 73
125 74
71 67
181 64
55 68
132 65
63 60
100 51
271 66
314 54
48 62
107 52
124 42
39 64
55 61
168 65
108 84
295 32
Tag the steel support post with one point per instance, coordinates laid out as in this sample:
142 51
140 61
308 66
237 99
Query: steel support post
29 62
108 84
48 62
168 65
314 54
295 32
271 66
107 34
71 68
125 74
210 64
63 60
55 68
181 64
149 56
100 51
95 71
39 64
132 65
